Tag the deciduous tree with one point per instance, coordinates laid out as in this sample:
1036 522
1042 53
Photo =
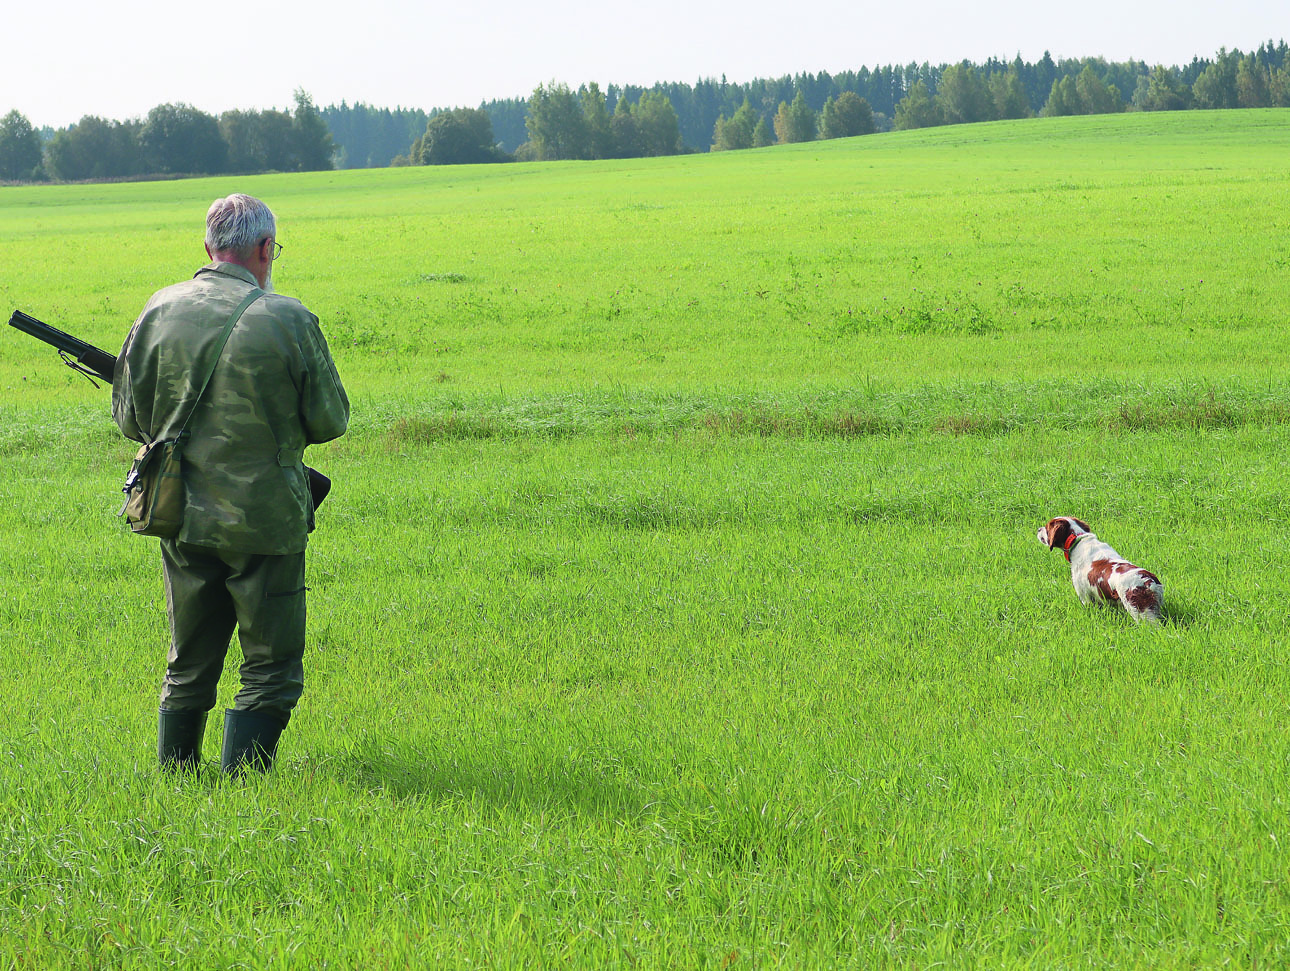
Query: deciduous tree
94 148
796 122
917 109
1279 88
20 149
1216 85
1009 94
179 139
259 141
1095 97
556 123
846 116
962 96
312 145
595 112
660 131
626 131
1162 90
1063 100
461 136
737 131
1253 89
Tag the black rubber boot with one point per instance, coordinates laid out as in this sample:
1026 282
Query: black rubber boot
179 739
250 740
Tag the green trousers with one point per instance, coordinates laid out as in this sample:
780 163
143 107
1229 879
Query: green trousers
209 593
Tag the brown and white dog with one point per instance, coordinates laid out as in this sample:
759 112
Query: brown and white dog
1100 574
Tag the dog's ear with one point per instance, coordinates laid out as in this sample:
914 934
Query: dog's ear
1058 530
1082 525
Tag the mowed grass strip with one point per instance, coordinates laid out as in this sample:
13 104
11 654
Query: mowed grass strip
967 410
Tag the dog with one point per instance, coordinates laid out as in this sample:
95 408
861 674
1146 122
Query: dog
1100 574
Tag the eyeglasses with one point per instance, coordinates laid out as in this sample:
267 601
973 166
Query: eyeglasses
277 249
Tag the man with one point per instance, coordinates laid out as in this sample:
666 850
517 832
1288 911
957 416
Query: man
239 558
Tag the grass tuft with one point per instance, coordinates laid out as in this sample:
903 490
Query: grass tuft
1203 413
453 427
971 424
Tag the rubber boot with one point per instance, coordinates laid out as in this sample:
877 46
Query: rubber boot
179 739
250 740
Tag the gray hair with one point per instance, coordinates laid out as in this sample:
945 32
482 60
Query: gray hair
238 223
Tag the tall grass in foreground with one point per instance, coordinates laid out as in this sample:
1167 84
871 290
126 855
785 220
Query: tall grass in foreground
677 700
655 634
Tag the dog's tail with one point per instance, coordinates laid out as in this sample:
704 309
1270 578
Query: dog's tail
1147 602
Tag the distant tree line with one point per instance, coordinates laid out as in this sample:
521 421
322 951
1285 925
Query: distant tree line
560 124
174 139
842 117
557 122
625 121
962 93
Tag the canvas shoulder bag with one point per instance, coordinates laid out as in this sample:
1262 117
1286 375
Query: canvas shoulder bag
154 486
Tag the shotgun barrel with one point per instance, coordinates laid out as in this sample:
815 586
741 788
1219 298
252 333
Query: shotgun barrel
88 358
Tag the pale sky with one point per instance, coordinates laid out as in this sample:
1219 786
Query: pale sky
118 60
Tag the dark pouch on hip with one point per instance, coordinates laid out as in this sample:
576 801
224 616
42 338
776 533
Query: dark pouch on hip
154 489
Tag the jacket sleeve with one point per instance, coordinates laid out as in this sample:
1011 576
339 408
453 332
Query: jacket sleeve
324 406
123 395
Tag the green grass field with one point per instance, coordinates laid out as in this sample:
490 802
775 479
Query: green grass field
679 603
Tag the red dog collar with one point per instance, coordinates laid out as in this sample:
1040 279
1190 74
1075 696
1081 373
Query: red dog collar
1071 540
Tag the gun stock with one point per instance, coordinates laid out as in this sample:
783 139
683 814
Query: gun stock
77 354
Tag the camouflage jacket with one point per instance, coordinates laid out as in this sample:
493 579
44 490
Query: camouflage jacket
274 391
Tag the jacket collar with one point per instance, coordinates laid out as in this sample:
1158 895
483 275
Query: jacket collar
229 269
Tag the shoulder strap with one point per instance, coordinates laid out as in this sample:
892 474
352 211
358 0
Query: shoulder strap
255 294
